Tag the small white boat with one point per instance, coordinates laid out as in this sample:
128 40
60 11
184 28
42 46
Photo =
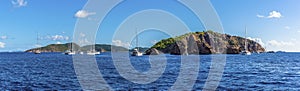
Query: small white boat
37 52
81 53
68 52
135 52
245 53
93 53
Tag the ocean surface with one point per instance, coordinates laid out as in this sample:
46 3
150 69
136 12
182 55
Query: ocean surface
55 71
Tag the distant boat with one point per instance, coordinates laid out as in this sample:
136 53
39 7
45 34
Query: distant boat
70 51
245 51
81 53
136 51
38 51
93 51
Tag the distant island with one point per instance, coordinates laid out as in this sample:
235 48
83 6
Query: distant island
207 42
64 47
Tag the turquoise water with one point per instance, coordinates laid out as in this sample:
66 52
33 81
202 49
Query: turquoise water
54 71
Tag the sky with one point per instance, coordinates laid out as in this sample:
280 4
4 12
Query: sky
27 24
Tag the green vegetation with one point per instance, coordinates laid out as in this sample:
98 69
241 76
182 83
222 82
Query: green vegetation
165 42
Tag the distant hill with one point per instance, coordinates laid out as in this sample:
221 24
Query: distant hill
207 42
64 47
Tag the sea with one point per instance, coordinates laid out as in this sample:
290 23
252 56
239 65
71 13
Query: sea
56 71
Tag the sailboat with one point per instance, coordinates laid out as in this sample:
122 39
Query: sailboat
93 51
245 51
38 51
70 51
136 51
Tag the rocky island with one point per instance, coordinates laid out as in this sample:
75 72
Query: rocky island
206 42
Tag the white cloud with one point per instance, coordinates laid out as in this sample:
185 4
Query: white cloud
84 41
288 45
2 45
258 40
58 38
82 35
3 37
154 42
272 14
287 27
37 45
120 43
19 3
58 42
83 14
298 31
260 16
280 43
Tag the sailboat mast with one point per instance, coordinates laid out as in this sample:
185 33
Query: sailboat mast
71 45
37 40
246 39
137 40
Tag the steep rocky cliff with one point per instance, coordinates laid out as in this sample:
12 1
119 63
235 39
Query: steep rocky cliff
204 43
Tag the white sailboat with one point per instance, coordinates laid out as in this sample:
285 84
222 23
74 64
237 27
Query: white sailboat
245 51
38 51
93 52
136 51
70 51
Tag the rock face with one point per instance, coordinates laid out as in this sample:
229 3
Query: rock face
204 43
153 51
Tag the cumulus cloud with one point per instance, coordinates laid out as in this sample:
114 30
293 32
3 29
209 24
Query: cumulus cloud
2 45
154 42
288 45
287 27
120 43
83 14
280 43
260 16
58 38
258 40
58 42
272 14
19 3
3 37
37 45
82 35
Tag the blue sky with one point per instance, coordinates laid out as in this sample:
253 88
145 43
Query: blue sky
273 23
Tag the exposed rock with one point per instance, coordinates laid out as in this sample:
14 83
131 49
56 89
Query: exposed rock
153 51
205 43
